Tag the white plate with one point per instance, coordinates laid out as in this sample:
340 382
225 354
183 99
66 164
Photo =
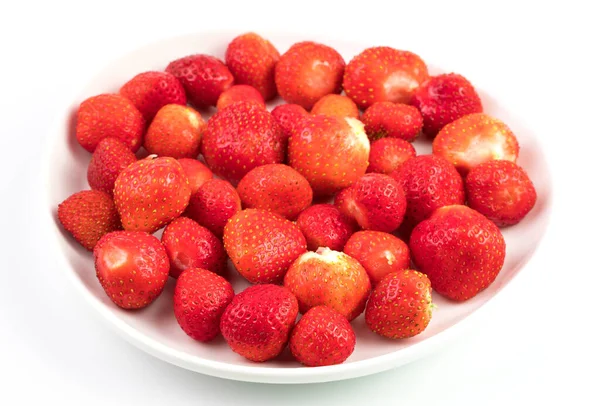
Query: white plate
155 330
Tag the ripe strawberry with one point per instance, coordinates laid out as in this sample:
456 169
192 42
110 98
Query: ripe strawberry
150 91
330 152
258 321
150 193
307 72
203 77
329 278
474 139
132 267
196 172
379 253
459 249
383 74
288 116
240 138
88 215
387 119
239 93
199 301
336 105
400 305
501 191
262 245
376 201
387 154
109 115
215 202
110 157
323 225
176 131
322 337
443 99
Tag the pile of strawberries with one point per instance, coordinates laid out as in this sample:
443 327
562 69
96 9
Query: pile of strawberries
322 204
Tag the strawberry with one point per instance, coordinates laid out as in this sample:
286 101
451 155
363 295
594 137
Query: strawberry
252 61
387 119
109 115
329 278
501 191
258 321
443 99
132 267
203 77
307 72
323 225
239 93
336 105
150 193
88 215
213 204
199 301
460 250
331 152
376 201
110 157
400 306
262 245
383 74
150 91
241 137
387 154
288 116
379 253
196 172
176 131
474 139
277 188
322 337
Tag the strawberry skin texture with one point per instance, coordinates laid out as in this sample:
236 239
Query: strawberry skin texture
109 115
258 321
288 116
199 301
109 159
336 105
460 250
132 267
196 172
501 191
322 337
387 119
238 93
150 193
88 215
215 202
400 305
323 225
262 245
387 154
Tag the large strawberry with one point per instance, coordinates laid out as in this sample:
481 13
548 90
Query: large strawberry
336 105
215 202
108 160
323 225
388 154
239 93
196 172
288 116
387 119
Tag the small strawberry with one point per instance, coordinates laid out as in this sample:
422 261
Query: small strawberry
387 119
132 267
288 116
239 93
110 157
258 321
215 202
196 172
322 337
387 154
336 105
323 225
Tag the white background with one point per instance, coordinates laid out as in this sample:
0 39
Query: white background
537 344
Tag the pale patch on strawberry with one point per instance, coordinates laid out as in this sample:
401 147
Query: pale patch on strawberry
398 85
323 254
358 129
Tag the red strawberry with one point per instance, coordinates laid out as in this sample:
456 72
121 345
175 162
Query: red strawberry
288 116
252 61
387 119
132 267
383 74
150 193
379 253
109 115
336 105
258 321
199 301
262 245
196 172
322 337
307 72
501 191
213 204
323 225
239 93
150 91
88 215
203 77
443 99
329 278
474 139
400 306
241 137
387 154
331 152
459 249
108 160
